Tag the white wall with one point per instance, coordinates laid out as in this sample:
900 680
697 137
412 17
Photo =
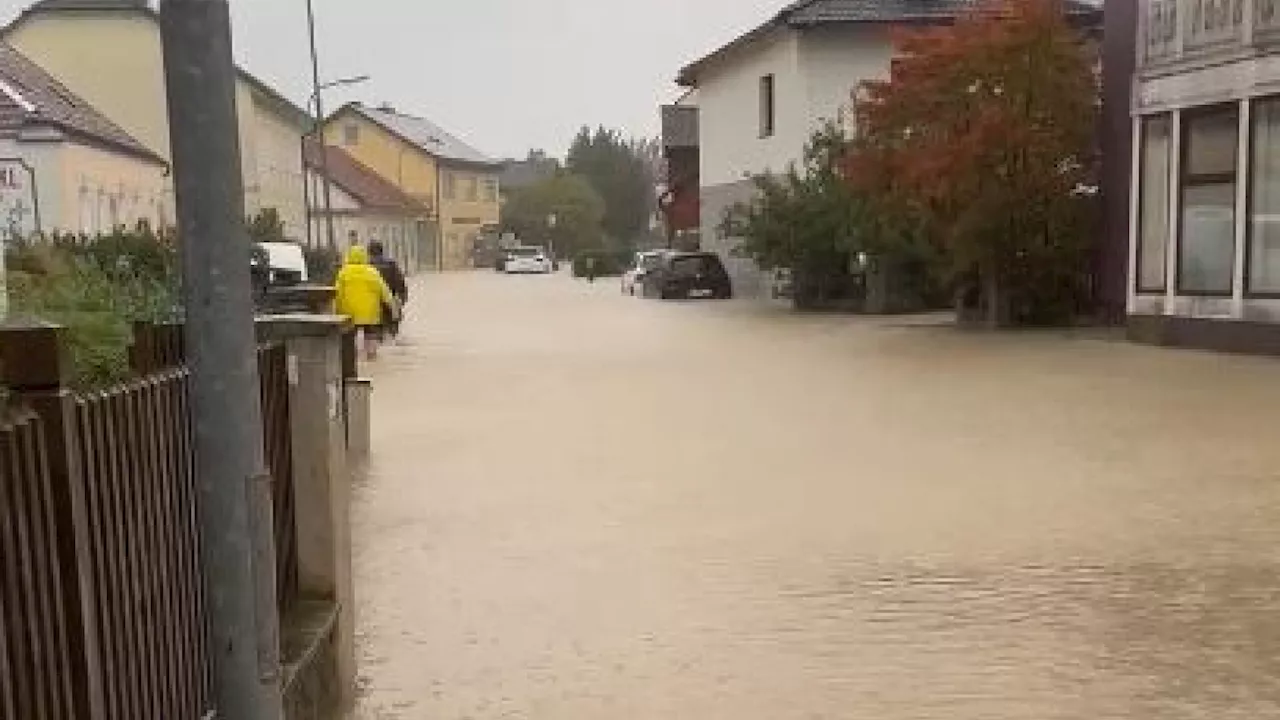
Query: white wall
834 61
729 111
80 188
816 72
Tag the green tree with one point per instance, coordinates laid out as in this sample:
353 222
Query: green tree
985 130
577 208
808 220
622 172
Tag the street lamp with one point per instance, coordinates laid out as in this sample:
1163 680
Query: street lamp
316 89
551 238
318 130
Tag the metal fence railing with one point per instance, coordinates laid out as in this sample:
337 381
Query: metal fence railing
102 598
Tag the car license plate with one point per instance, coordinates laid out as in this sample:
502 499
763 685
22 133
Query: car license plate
700 293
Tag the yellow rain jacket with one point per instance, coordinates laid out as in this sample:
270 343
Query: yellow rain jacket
361 292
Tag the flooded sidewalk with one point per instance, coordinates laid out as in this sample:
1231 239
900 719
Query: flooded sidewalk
586 506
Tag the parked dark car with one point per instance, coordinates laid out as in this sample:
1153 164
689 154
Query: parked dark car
685 275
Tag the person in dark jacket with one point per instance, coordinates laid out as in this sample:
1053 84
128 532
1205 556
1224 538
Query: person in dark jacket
394 277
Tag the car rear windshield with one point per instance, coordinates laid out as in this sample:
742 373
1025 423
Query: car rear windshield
690 266
525 252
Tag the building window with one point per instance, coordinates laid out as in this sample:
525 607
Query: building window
1206 233
350 134
1153 217
1264 200
448 181
491 189
472 189
768 107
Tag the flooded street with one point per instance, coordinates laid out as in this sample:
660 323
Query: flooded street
584 506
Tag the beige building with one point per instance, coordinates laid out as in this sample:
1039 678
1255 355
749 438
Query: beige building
66 168
431 166
365 208
109 53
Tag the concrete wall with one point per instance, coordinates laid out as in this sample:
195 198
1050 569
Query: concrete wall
278 167
103 189
834 61
729 111
81 188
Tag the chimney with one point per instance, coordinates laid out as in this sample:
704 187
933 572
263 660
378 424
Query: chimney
387 107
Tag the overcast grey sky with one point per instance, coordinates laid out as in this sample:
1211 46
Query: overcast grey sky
506 75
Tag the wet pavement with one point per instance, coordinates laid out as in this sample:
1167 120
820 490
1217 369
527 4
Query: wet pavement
584 506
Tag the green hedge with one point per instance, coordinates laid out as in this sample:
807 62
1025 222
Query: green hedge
609 263
96 289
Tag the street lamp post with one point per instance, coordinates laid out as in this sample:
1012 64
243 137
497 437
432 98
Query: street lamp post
551 238
318 130
317 88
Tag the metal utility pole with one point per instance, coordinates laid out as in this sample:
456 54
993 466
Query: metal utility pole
319 128
235 504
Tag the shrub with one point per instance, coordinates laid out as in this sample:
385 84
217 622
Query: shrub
96 289
609 263
322 264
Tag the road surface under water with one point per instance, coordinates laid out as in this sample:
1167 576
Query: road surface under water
584 506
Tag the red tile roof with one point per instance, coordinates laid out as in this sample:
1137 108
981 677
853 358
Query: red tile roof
359 181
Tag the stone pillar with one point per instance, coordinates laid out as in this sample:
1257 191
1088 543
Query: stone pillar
321 471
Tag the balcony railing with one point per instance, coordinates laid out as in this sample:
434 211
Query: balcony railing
1174 30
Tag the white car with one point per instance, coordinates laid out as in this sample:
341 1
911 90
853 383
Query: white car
527 260
644 263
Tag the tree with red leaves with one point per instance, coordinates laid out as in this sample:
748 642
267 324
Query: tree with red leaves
984 133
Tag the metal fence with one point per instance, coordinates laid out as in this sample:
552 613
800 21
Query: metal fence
102 605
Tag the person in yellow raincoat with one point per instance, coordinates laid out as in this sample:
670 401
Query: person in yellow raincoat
361 295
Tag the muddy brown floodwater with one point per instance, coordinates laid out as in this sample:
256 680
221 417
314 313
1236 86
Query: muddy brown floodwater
585 507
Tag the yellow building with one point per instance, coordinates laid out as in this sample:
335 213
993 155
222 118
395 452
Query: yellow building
64 167
458 182
109 53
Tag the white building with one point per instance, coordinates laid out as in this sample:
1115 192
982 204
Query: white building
1205 229
761 96
108 52
66 168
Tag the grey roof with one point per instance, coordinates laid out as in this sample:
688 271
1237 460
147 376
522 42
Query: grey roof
31 97
424 134
802 14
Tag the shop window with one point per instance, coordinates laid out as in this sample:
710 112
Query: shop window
1264 200
1206 230
1153 217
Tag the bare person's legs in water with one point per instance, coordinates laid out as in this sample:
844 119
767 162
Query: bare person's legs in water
370 343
